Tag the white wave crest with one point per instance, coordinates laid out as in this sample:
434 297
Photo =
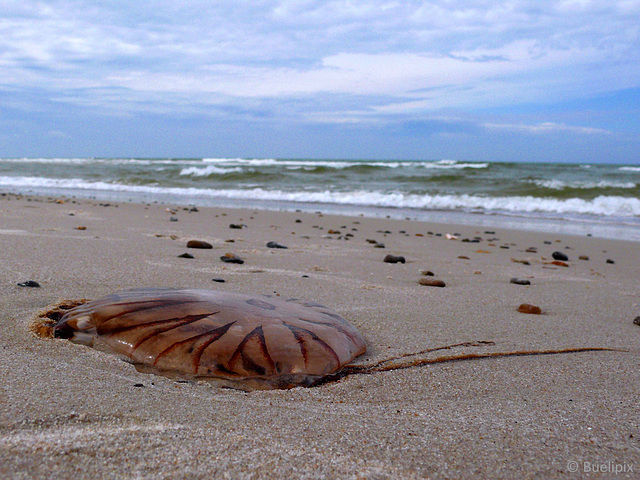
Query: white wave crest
602 206
561 185
630 169
208 170
453 165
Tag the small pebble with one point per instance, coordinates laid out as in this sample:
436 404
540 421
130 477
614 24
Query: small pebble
431 282
138 385
333 232
218 280
173 219
394 259
519 281
185 255
29 283
523 262
231 258
275 245
463 257
636 321
81 227
427 273
527 308
583 257
198 244
379 245
237 225
559 263
610 261
560 256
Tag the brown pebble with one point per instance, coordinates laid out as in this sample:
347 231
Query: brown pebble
333 232
463 257
431 282
559 263
231 258
394 259
198 244
81 227
524 262
185 255
583 257
527 308
427 273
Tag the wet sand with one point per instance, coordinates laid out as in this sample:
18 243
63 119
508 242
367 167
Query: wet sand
70 411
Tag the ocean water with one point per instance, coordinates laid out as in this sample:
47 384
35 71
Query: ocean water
602 200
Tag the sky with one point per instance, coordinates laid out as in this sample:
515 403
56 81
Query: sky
486 80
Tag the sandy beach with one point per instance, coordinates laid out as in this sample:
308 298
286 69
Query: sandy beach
68 411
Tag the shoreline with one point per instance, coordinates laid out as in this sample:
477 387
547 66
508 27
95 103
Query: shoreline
509 417
552 224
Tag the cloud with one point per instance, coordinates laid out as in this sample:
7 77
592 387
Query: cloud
547 128
374 59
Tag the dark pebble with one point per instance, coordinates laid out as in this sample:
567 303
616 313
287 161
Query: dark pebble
237 226
173 219
198 244
185 255
379 245
519 281
610 261
394 259
636 321
427 273
560 256
138 385
275 245
231 258
305 276
218 280
583 257
29 283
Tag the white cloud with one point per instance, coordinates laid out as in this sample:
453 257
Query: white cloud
547 128
392 57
